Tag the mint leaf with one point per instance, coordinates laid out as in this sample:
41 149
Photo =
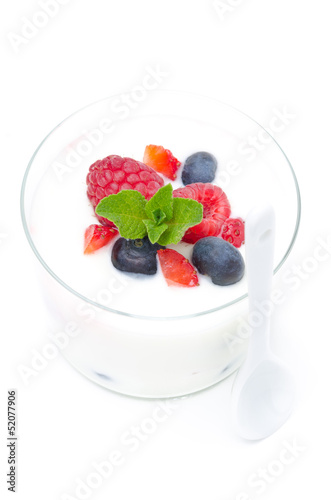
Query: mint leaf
158 216
186 213
161 200
154 230
163 218
127 211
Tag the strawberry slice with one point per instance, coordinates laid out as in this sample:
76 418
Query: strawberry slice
176 269
216 209
233 231
97 236
162 160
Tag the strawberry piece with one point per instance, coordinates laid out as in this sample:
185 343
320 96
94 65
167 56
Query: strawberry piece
162 160
176 269
216 209
233 231
97 236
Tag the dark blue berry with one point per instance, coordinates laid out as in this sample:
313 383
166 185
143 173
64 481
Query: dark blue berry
218 259
199 167
135 256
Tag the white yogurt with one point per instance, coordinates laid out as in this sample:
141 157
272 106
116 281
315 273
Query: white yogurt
150 356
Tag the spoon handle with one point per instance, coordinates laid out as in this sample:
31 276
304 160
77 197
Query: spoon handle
259 242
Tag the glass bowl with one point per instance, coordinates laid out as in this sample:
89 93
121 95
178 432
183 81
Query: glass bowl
138 336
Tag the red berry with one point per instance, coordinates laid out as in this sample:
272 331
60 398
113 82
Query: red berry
114 173
233 231
176 269
216 209
161 160
97 237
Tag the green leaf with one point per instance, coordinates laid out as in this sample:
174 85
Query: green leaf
164 218
127 211
161 200
154 230
186 213
158 216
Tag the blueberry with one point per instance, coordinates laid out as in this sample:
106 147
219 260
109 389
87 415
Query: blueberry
135 256
199 167
218 259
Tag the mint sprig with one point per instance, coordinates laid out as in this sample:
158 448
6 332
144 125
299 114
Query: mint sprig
163 219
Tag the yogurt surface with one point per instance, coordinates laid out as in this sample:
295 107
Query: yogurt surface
63 212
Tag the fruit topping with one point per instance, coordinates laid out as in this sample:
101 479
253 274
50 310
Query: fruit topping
218 259
199 167
97 236
135 256
216 209
176 269
162 160
114 173
233 231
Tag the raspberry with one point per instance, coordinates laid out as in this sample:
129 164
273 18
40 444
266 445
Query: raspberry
97 237
176 269
162 160
233 231
114 173
216 209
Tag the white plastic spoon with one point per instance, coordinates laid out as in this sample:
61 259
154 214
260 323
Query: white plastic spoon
263 391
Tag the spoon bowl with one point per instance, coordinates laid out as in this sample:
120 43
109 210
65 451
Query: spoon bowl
263 398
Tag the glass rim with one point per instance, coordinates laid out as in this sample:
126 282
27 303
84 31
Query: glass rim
137 316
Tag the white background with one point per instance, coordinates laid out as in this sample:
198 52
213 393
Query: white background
257 56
